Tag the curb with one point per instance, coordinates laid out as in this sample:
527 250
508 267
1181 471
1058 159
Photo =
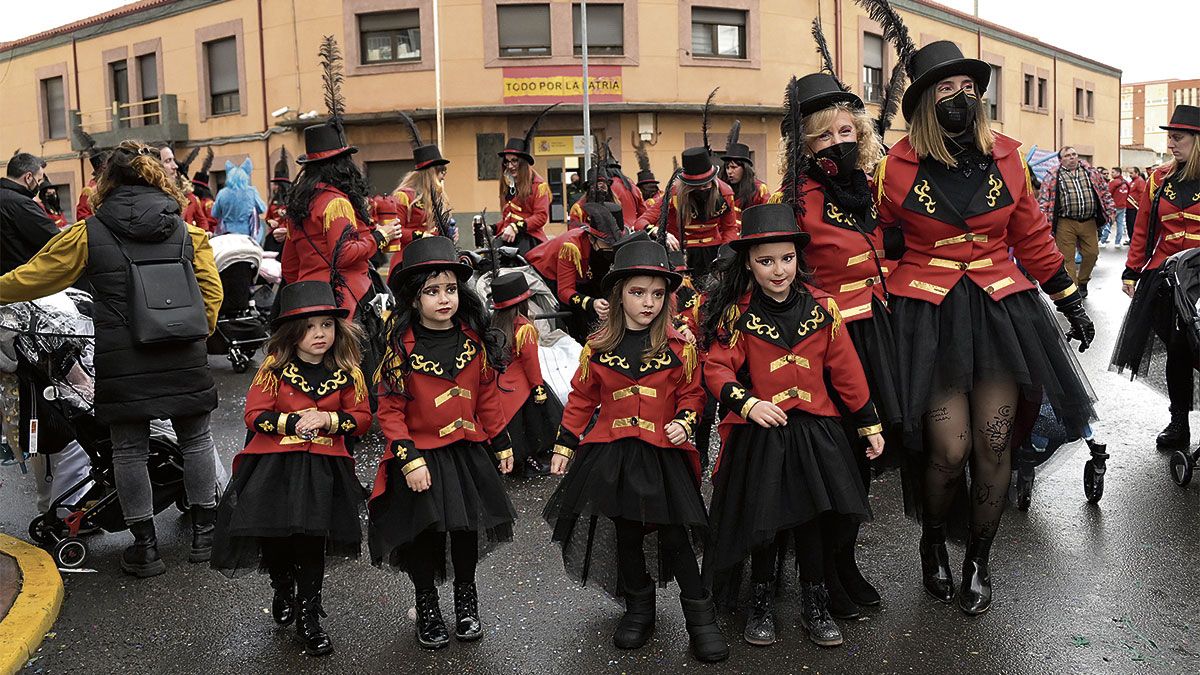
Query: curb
35 607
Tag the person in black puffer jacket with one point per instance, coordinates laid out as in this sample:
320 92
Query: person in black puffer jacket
137 207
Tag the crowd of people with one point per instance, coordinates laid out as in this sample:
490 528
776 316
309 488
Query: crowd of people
880 309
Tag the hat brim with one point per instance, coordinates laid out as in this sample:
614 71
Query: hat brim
647 181
978 70
828 99
737 158
326 154
614 276
801 240
461 270
281 180
440 161
698 179
513 301
523 155
1181 127
305 312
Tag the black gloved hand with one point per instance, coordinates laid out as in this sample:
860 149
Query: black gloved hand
1082 328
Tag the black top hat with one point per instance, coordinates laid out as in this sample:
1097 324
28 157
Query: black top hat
426 156
97 158
427 254
325 141
935 62
819 91
768 223
738 152
697 165
641 258
307 298
725 253
1185 118
282 172
509 289
518 147
646 177
200 178
604 221
678 260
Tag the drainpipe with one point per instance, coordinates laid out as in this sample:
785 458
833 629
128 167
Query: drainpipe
1054 103
837 35
262 76
83 171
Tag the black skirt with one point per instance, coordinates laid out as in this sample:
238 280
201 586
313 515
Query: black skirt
466 495
1151 325
283 494
773 479
876 346
628 479
534 428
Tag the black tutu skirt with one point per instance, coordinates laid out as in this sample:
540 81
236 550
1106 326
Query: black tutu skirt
534 428
876 347
773 479
628 479
466 495
284 494
1151 325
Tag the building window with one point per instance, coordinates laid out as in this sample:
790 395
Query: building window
606 30
147 65
872 61
992 95
718 32
384 176
1090 101
487 162
390 37
1027 97
119 72
54 98
524 30
1041 93
223 91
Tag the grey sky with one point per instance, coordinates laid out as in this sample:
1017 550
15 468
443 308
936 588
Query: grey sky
1132 36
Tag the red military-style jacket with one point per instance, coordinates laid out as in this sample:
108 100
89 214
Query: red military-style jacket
566 260
1176 204
278 213
650 202
687 306
196 214
762 195
310 247
631 200
411 212
578 217
529 215
523 377
788 371
720 228
60 221
277 400
635 399
439 402
83 207
944 245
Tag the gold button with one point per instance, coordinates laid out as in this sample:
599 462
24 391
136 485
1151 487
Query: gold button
633 421
969 237
871 281
453 391
990 289
458 424
963 266
792 391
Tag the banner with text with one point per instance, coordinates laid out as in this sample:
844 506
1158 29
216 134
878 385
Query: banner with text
549 84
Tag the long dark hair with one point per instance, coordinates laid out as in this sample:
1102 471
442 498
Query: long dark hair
744 189
472 313
339 172
505 321
736 281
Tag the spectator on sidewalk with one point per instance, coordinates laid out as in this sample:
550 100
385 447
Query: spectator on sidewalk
1076 201
1118 187
1137 188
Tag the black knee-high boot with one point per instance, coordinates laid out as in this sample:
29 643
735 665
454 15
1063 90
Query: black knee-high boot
310 572
975 596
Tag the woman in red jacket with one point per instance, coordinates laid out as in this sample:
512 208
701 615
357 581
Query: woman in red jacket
637 472
418 190
778 358
1168 222
1137 191
294 498
440 411
738 174
975 342
524 195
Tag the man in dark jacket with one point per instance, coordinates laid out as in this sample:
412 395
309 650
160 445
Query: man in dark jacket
24 226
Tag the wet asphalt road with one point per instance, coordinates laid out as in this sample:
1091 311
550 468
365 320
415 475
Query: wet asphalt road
1078 589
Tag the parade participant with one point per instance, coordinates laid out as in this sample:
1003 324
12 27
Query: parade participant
738 174
778 357
635 471
200 184
975 342
47 197
441 414
831 141
137 210
574 263
425 183
238 208
707 215
96 158
294 497
194 213
524 194
1168 221
532 412
1137 190
1118 187
624 191
598 190
277 220
646 182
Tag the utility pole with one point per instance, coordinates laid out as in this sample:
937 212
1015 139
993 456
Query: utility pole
587 111
437 78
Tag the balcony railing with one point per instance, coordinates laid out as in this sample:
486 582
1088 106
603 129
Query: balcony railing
156 120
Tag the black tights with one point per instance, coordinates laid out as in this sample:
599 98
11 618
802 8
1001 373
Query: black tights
978 426
810 554
1180 388
300 558
676 547
427 555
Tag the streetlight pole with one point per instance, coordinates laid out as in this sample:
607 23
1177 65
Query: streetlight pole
587 111
437 78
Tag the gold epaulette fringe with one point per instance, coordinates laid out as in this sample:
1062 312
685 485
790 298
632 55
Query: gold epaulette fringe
837 318
388 363
571 252
729 320
360 385
690 359
526 334
338 207
880 172
687 282
585 357
1028 179
266 376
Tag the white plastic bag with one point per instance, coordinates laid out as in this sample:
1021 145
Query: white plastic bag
559 355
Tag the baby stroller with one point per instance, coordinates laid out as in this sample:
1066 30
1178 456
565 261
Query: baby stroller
55 340
1047 436
241 328
1183 277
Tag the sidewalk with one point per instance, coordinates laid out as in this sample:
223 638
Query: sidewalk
31 593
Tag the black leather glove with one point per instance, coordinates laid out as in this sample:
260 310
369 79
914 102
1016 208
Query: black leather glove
1082 328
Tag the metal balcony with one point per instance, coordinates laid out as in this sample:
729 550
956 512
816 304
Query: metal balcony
153 121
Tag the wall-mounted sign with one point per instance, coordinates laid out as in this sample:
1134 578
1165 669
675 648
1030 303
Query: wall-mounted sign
559 146
548 84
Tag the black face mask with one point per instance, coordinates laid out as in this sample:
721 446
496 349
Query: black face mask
840 160
956 114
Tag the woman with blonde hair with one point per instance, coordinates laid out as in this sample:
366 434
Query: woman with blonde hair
417 192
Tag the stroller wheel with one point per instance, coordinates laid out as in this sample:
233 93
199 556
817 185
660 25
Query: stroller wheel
70 553
1093 482
1181 468
43 531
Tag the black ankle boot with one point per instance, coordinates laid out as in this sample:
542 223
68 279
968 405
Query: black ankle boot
1177 435
708 644
760 623
308 626
431 627
283 605
637 625
204 523
467 626
935 565
814 615
841 605
141 559
860 590
975 596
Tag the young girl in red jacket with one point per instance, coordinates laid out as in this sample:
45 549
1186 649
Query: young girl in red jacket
777 351
294 498
439 408
531 411
637 472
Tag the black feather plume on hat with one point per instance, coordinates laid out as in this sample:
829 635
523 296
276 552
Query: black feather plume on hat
706 119
735 131
184 164
208 160
894 30
891 100
666 207
413 132
533 127
795 161
332 78
827 66
643 156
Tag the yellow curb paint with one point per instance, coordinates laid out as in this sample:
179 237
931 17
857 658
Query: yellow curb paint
35 608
